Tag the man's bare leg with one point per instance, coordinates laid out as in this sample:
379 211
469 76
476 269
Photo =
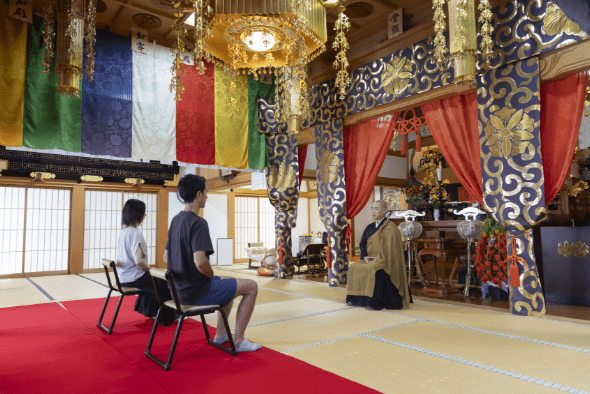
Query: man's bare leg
249 290
220 326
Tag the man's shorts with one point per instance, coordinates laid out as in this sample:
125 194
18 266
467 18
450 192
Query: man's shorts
221 292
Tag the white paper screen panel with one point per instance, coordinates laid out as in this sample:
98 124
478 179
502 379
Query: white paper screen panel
47 230
246 224
12 223
102 223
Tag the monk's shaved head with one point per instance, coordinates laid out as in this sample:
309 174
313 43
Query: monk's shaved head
381 203
378 210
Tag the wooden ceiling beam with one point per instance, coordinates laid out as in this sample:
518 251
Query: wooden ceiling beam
119 11
387 4
242 179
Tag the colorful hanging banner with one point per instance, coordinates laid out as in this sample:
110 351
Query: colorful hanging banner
513 184
332 195
107 102
139 41
13 46
50 121
231 133
195 117
154 108
257 152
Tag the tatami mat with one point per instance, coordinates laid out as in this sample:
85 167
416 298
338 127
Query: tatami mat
530 359
392 369
433 346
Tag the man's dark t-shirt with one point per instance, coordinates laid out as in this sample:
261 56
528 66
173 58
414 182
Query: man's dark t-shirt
188 233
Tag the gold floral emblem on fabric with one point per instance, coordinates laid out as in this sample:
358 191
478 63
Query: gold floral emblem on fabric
282 179
567 249
329 166
396 76
555 21
508 132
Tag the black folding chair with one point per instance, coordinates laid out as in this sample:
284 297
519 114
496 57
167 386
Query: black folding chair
123 290
185 311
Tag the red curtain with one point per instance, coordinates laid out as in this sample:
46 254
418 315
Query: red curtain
562 103
365 149
195 117
453 124
301 156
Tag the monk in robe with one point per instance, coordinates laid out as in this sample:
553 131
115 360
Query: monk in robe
379 281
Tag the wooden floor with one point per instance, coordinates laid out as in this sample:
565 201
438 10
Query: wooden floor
570 311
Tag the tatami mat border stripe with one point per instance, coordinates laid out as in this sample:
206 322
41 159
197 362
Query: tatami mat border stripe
92 280
296 317
469 328
478 365
348 336
507 313
41 290
577 349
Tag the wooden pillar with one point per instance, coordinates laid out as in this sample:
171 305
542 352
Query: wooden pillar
231 219
76 257
161 228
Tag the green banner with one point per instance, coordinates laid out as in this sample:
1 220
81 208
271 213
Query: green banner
50 121
257 152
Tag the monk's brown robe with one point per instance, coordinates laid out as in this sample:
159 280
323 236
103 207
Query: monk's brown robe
386 246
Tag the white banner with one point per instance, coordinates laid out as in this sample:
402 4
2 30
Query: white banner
154 108
21 10
139 41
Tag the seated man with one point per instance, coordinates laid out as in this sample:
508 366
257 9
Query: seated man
379 281
187 255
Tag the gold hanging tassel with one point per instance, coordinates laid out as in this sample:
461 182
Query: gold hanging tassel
341 46
177 66
48 34
90 38
280 95
486 45
202 8
440 43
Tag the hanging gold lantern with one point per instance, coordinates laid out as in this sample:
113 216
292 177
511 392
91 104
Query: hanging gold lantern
463 36
70 46
463 39
70 42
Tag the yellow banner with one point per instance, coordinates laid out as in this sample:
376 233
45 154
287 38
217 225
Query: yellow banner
231 134
13 61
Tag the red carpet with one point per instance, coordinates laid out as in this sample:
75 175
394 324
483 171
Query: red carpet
47 349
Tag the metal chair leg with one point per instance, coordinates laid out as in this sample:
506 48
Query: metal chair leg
109 331
174 343
151 341
232 349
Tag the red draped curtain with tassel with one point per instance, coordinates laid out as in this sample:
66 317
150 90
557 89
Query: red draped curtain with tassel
562 104
365 148
453 124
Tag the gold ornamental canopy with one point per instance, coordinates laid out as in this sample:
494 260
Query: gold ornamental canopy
255 34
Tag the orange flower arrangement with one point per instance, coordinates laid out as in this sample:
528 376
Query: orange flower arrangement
414 194
490 261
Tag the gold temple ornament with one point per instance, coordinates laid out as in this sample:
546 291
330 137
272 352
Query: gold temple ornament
463 37
74 24
341 26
